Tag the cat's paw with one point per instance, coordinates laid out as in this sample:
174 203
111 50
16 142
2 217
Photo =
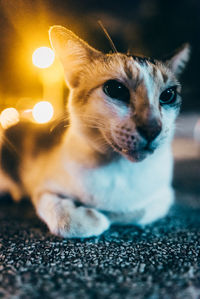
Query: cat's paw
66 220
86 222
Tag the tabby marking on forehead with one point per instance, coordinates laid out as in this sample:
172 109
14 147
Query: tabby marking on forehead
143 60
165 77
129 71
151 66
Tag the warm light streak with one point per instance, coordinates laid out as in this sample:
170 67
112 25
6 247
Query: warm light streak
9 117
43 112
43 57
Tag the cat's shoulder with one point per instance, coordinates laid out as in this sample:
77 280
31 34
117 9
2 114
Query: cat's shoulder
28 139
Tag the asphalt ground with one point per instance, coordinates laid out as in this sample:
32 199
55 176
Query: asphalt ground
160 261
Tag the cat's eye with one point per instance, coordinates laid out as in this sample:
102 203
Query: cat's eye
116 90
168 96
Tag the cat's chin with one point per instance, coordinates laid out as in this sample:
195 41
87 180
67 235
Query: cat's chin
130 154
135 156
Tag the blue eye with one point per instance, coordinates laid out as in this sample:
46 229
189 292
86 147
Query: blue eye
116 90
168 96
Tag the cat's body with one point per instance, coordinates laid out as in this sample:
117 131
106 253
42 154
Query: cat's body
113 158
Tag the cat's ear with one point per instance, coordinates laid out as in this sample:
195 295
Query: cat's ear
73 52
179 59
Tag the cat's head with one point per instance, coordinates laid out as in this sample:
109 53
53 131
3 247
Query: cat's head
128 103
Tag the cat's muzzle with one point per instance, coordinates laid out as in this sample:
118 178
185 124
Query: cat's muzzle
135 150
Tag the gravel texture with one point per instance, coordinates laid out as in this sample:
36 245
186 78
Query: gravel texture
160 261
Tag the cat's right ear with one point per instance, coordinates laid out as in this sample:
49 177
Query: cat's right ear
178 60
73 52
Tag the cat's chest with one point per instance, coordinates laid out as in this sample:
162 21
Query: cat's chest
122 185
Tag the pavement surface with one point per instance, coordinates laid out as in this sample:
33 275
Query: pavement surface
159 261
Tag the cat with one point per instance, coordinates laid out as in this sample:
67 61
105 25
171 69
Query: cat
109 159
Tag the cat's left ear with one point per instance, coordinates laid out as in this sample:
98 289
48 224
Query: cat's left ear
73 52
179 59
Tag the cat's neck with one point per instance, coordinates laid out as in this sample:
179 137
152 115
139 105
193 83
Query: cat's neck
82 149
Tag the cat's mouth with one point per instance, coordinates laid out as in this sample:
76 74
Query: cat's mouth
133 155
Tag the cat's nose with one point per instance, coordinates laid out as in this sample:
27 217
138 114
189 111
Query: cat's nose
150 131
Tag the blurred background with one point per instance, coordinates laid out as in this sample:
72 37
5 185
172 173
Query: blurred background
149 27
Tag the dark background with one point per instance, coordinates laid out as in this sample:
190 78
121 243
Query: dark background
149 27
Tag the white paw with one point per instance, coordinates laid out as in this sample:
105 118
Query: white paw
86 222
66 220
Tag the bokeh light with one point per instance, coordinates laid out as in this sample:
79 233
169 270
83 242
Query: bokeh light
43 57
43 112
9 117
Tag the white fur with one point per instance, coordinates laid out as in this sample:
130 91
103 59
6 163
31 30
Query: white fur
123 186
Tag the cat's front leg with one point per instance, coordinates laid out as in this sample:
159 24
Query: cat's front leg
66 220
